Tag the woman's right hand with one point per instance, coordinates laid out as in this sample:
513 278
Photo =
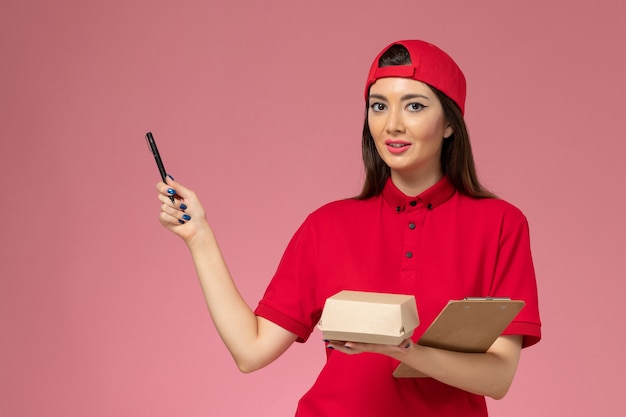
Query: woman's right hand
252 341
184 216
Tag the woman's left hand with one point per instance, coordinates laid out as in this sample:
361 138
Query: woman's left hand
353 348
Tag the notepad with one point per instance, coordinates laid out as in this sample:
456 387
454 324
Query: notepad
470 325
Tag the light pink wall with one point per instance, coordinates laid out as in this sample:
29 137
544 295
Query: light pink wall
258 107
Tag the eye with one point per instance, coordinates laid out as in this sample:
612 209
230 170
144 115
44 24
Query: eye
415 106
377 107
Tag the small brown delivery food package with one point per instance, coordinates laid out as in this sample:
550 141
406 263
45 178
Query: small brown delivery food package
369 317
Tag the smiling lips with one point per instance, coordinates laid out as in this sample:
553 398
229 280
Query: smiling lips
397 146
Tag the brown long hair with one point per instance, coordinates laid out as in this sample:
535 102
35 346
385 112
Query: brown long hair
457 160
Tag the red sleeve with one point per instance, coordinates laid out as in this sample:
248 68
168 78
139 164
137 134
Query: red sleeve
515 276
291 299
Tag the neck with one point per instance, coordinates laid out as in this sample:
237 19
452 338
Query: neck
412 184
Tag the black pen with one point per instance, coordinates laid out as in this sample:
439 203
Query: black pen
157 158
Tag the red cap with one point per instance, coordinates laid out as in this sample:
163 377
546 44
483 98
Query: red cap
430 65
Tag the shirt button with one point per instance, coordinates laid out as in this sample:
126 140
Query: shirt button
429 206
409 254
413 203
411 226
398 209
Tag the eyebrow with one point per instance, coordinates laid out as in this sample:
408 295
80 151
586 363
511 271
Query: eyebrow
403 98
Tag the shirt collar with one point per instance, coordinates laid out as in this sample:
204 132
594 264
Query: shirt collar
431 198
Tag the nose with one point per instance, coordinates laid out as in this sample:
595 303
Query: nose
394 122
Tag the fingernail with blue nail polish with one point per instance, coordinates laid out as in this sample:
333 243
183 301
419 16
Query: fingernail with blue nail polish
171 191
186 217
330 347
172 178
181 222
183 206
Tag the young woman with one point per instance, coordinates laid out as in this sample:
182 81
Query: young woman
422 225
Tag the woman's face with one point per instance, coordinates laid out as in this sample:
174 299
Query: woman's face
408 125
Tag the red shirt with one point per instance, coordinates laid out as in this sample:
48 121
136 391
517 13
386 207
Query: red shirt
440 245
